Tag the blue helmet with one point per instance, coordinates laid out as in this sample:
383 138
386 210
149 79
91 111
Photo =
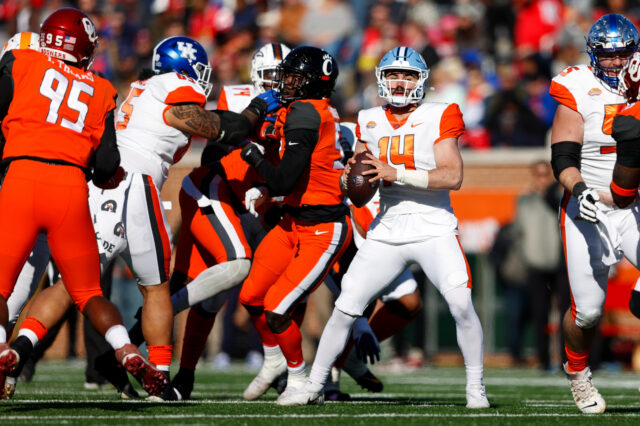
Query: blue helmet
185 56
406 59
611 33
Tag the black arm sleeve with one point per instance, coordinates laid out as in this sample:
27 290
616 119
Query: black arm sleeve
6 83
281 180
107 156
301 131
626 132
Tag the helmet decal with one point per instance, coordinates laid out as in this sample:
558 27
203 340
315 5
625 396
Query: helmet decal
184 56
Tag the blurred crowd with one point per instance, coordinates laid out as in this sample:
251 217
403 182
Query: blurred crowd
495 58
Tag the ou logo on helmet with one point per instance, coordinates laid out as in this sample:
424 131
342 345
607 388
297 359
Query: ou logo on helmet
90 29
327 65
634 67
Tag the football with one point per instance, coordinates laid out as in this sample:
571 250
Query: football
359 190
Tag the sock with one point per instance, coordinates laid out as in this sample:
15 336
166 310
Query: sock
160 356
297 375
290 342
385 323
117 336
211 282
32 329
576 361
346 353
468 332
24 347
267 337
199 325
332 342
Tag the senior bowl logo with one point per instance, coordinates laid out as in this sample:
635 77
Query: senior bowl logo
595 92
371 125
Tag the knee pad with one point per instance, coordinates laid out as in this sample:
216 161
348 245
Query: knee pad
634 303
588 318
459 303
277 323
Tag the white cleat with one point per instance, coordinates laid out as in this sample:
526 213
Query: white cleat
300 395
477 397
271 369
586 396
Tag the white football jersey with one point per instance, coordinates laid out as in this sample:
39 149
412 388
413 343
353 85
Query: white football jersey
410 146
579 89
146 142
236 98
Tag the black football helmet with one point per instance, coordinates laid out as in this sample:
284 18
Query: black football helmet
306 73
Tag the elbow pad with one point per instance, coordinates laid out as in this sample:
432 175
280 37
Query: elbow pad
564 155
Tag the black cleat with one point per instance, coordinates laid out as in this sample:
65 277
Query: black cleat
280 383
336 395
115 373
370 382
182 383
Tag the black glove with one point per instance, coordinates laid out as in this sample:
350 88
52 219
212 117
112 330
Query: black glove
367 347
252 153
234 127
257 106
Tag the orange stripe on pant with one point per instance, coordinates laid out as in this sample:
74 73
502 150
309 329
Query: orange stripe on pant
563 218
205 238
291 261
37 197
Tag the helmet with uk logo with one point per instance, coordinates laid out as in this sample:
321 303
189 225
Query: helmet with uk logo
185 56
69 34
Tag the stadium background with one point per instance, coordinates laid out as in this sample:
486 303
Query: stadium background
495 58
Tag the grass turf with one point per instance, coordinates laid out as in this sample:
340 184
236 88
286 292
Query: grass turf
426 396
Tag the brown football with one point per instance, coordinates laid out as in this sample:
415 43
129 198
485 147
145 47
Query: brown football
359 190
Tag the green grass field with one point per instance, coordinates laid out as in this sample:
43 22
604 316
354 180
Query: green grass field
426 396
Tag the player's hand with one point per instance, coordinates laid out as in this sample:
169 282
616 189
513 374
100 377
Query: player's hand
252 153
382 170
114 181
271 99
366 343
587 198
254 198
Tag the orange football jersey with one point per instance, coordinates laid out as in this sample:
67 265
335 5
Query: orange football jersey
319 183
57 111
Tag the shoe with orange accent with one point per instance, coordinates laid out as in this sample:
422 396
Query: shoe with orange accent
152 380
9 358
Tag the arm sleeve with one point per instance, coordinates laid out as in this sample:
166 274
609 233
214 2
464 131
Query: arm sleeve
6 83
281 180
107 156
301 132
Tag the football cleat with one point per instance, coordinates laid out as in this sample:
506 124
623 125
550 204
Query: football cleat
369 382
477 396
9 358
269 373
9 387
109 368
152 380
300 393
586 396
169 394
336 395
183 383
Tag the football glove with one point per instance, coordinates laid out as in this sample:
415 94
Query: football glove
366 343
587 198
272 101
253 198
114 181
252 153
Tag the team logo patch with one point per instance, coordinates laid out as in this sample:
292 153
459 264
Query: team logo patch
109 206
595 92
118 230
371 125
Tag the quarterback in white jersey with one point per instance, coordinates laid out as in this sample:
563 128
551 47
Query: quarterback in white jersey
414 150
595 233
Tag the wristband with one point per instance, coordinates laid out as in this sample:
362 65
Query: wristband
414 178
578 189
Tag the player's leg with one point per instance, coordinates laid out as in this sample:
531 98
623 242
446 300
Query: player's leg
375 265
444 263
273 255
318 248
585 251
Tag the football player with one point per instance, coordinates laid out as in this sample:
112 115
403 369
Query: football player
296 255
414 149
595 234
57 117
154 127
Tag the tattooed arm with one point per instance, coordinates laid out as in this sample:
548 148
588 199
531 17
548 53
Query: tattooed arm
222 126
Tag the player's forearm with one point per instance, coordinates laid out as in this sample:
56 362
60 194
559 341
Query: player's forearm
446 178
194 120
107 156
569 177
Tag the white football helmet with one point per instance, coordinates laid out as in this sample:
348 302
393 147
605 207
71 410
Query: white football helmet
264 63
24 40
405 59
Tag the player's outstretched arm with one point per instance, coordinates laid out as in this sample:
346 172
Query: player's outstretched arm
106 159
